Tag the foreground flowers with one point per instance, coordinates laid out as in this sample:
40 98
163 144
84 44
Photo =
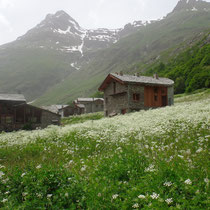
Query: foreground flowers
153 159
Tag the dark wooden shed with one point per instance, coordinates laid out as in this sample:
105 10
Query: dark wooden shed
16 114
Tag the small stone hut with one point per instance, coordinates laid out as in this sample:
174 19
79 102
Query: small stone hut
16 114
127 93
62 110
90 105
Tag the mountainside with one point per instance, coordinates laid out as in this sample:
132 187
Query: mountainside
158 41
51 60
50 52
190 69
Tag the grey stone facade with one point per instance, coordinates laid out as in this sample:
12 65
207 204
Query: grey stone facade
49 118
122 100
171 95
91 105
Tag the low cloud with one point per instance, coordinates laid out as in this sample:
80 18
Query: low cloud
5 24
5 4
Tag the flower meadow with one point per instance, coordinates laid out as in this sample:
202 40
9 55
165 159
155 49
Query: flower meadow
156 159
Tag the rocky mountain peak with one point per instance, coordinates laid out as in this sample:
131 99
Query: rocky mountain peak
192 5
59 20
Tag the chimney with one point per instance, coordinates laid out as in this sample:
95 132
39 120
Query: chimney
155 76
121 73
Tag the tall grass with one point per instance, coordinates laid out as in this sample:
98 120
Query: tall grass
155 159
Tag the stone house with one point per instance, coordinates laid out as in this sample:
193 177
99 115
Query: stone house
90 105
16 114
127 93
79 109
62 110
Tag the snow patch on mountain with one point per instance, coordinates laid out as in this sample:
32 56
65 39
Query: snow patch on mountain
194 9
75 65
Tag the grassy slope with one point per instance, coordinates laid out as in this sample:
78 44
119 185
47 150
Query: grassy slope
82 118
190 69
153 159
142 48
32 71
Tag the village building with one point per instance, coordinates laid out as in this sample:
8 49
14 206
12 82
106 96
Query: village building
79 109
16 114
89 105
127 93
62 110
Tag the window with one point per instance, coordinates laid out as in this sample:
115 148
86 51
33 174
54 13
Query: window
136 97
155 98
114 87
8 119
155 90
123 111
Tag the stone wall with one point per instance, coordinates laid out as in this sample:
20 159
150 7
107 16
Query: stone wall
115 102
98 106
93 106
136 105
170 95
49 118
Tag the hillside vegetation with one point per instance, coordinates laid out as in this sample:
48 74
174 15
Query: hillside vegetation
190 69
154 159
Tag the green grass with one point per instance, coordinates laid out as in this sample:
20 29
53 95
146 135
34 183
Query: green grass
155 159
195 96
82 118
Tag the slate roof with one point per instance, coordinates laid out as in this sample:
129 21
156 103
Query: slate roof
54 108
88 99
80 105
12 97
143 79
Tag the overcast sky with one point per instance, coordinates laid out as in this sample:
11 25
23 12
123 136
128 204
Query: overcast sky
18 16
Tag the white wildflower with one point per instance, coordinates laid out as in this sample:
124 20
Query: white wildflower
206 180
23 174
1 174
167 184
169 201
151 168
4 200
154 195
141 196
24 194
188 181
115 196
135 206
39 166
180 156
199 150
49 195
83 168
66 194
